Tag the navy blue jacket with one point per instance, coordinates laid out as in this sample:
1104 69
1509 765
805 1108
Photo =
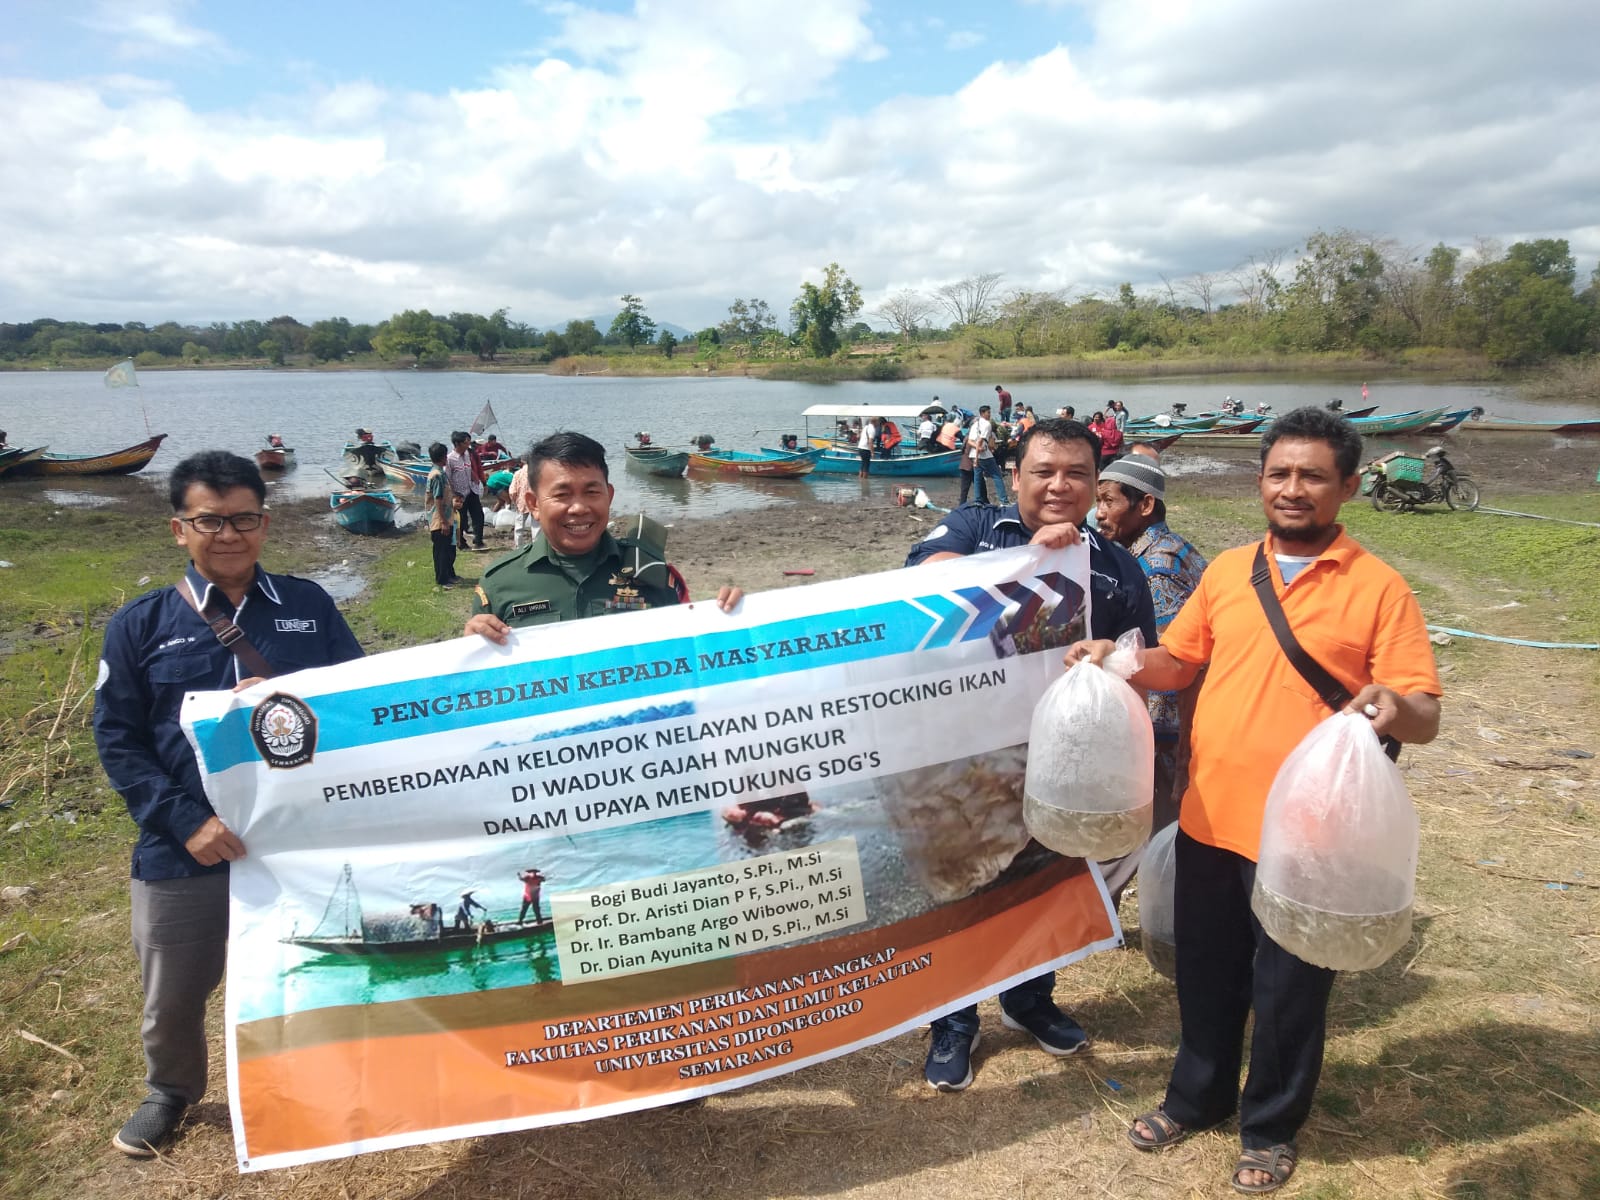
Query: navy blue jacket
1120 591
156 649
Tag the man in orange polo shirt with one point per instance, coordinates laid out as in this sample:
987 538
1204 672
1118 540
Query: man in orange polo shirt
1356 616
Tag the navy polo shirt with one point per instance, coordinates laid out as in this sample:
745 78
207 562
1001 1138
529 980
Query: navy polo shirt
156 650
1120 591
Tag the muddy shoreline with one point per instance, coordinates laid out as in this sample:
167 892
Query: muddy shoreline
788 543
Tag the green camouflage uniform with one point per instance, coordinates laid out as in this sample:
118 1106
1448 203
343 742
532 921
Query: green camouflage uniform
530 587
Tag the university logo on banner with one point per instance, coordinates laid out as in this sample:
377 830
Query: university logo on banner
284 730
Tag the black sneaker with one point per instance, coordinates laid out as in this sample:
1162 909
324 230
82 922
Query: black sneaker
949 1064
1055 1032
150 1128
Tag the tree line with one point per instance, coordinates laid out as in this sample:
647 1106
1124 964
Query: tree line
1341 291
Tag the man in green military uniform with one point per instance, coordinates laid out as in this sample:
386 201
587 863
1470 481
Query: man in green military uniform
576 568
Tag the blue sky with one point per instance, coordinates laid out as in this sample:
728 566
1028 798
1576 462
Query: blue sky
200 161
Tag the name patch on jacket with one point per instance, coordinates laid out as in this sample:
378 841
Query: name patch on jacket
530 608
296 625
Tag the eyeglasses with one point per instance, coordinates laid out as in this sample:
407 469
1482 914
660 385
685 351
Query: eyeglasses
245 522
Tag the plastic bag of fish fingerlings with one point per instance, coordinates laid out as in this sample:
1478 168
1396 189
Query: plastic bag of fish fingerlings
1338 864
1091 760
1158 919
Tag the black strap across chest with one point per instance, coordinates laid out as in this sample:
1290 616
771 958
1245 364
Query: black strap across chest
230 635
1333 693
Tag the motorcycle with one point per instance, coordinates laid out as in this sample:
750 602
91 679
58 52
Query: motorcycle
1398 483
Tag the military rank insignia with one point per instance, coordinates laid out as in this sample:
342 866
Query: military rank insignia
625 593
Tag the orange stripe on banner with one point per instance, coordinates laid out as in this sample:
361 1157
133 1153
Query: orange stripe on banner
334 1092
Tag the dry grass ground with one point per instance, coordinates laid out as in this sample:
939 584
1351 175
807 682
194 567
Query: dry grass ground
1467 1067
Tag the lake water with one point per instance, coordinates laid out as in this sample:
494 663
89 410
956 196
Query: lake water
317 412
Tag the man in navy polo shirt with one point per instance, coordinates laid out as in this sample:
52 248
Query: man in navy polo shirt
156 649
1055 476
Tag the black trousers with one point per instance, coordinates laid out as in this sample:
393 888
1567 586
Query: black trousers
471 511
1226 966
444 555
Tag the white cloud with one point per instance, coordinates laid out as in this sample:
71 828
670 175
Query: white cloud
152 28
963 39
638 154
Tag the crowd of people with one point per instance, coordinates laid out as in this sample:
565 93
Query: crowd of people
1226 702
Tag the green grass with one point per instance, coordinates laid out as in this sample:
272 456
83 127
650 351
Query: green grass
403 607
1547 569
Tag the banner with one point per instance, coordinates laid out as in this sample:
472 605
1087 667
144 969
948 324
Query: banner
632 860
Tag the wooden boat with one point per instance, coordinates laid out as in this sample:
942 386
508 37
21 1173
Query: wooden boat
1166 423
832 460
1230 424
119 462
408 474
1356 412
274 456
1221 441
364 511
1161 443
358 945
1493 424
1396 423
424 929
16 456
1447 422
658 460
764 465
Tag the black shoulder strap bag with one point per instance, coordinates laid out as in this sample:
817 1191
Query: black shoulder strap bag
1333 693
229 634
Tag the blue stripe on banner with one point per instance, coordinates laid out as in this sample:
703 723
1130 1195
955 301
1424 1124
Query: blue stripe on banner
952 617
988 609
349 719
389 712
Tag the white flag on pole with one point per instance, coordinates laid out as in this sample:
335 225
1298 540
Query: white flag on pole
484 422
122 375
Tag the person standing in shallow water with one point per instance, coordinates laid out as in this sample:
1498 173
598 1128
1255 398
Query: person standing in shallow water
1357 617
157 648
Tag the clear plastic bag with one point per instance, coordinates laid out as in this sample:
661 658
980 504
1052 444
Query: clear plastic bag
1091 760
1337 870
1158 881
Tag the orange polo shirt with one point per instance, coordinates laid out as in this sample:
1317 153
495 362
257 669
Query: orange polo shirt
1351 611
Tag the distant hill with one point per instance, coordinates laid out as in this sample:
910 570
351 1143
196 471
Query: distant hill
603 324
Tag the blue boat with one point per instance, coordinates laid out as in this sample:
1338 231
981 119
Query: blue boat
409 473
901 466
834 456
1448 422
364 511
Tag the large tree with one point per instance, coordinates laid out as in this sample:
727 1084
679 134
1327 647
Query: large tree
581 337
1522 309
970 301
417 332
906 310
820 310
748 321
631 325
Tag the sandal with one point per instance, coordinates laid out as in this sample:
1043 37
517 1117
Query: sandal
1276 1161
1164 1131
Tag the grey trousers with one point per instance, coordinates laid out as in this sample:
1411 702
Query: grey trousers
180 933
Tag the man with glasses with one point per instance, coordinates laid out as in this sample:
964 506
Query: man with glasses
1057 463
157 648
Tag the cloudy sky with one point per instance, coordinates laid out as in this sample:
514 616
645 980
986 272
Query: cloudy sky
161 159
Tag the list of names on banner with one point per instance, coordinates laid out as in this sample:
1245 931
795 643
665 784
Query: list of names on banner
713 912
